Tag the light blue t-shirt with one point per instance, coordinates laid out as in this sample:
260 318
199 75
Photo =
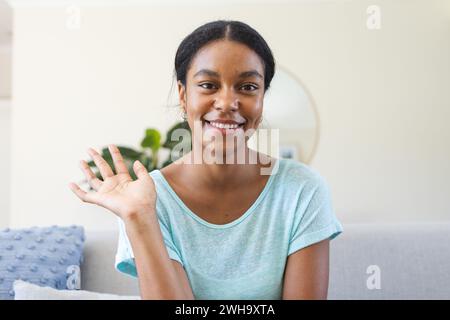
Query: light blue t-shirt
246 258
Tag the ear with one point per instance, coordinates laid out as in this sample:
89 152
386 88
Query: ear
182 94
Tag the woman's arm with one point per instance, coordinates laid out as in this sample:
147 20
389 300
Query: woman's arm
134 201
159 276
306 273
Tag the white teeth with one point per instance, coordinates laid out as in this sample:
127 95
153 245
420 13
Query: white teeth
224 126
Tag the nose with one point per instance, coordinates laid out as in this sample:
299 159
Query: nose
226 101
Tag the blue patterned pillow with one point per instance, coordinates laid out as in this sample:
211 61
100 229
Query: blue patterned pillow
46 256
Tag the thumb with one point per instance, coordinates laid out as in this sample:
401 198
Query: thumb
140 170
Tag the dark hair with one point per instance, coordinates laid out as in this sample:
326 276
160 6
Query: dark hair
223 29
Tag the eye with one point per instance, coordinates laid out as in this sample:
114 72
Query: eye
249 86
206 85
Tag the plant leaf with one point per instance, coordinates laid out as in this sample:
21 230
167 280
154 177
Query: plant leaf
152 139
186 137
129 152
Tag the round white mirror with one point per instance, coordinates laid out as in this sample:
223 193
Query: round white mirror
289 108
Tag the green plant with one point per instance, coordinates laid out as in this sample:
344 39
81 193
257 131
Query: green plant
151 146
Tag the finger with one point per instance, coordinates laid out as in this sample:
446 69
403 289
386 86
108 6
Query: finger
91 178
119 164
102 165
83 195
140 170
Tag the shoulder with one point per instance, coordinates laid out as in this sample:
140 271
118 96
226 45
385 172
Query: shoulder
298 174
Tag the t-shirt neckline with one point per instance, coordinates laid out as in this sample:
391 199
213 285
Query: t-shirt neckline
213 225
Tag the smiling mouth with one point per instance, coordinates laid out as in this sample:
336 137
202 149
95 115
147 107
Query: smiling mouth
224 126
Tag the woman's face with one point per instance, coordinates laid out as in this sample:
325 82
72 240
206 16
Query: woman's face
224 82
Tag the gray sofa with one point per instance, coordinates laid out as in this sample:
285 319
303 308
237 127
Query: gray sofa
367 261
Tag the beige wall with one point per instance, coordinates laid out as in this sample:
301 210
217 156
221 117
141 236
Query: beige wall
5 162
382 97
5 71
5 113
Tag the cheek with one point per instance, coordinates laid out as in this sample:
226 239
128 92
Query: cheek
199 103
254 111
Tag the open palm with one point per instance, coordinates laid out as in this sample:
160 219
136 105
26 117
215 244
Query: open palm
117 192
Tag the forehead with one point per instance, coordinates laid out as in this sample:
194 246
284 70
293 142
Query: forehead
227 58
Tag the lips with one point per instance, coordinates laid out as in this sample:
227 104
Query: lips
227 122
209 126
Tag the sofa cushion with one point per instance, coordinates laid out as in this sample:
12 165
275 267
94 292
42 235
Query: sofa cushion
99 274
369 261
45 256
28 291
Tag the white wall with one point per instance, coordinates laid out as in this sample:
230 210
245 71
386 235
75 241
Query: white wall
5 164
5 71
5 114
382 96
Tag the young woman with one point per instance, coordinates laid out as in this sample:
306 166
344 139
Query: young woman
214 229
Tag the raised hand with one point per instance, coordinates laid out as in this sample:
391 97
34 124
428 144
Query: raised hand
118 193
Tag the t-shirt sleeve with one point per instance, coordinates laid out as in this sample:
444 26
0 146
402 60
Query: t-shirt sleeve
314 218
124 260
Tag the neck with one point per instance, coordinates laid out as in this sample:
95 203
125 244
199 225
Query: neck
223 176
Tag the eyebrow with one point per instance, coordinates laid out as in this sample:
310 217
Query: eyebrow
244 74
